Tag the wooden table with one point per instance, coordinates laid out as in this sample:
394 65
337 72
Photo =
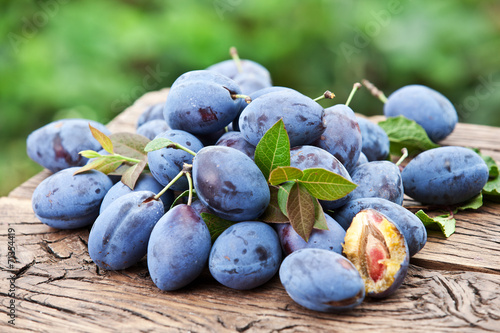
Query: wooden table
453 284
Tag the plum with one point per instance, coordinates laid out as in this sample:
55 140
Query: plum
67 201
375 142
427 107
379 252
57 145
202 102
146 182
378 179
236 140
178 248
229 183
330 239
341 138
166 163
245 256
152 128
322 280
410 225
153 112
445 175
119 236
229 68
303 117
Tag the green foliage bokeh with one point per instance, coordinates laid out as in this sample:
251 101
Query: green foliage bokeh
91 59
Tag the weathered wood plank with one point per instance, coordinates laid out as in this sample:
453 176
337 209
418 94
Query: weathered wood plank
63 295
453 284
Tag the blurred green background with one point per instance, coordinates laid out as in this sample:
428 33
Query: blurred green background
91 59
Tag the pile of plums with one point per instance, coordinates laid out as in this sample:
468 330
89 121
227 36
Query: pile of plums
221 113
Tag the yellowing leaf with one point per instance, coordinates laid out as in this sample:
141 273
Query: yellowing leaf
102 138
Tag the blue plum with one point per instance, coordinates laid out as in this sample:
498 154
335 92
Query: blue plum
146 182
445 175
119 236
342 109
178 248
303 117
228 68
153 112
229 183
322 280
410 225
379 252
202 103
306 157
67 201
245 256
378 179
56 146
251 82
236 140
253 96
166 163
375 141
330 239
152 128
341 138
361 160
429 108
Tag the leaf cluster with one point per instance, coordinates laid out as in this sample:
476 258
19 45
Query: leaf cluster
295 193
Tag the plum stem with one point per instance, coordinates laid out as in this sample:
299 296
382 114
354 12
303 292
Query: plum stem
234 54
403 157
327 94
187 150
374 91
355 88
127 159
179 175
190 182
247 98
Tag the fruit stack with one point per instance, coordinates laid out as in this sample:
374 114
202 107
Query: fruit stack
254 180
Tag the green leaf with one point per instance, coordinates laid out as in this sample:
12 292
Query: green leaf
159 143
283 174
90 154
273 150
490 162
129 144
130 176
445 223
300 210
273 213
406 133
491 190
474 203
102 138
105 164
326 185
216 225
283 193
319 216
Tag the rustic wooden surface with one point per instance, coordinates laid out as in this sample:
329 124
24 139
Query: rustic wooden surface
453 284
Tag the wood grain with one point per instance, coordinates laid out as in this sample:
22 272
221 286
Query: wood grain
453 284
